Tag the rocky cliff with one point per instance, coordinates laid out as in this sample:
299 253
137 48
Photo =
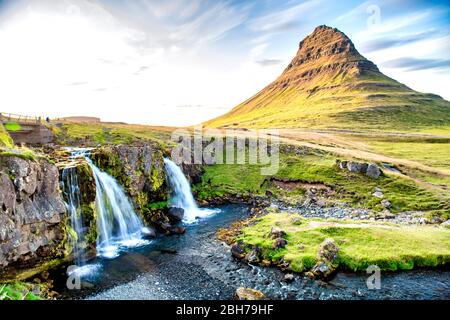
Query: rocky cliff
32 214
140 170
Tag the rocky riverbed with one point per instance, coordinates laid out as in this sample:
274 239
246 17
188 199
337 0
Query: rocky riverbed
198 266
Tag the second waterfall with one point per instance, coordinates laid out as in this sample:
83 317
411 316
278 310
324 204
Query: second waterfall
181 196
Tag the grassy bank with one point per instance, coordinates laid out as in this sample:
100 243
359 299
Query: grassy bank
361 243
312 169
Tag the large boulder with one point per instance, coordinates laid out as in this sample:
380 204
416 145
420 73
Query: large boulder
175 214
373 171
249 294
326 260
354 166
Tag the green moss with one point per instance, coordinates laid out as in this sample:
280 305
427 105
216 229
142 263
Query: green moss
361 243
26 154
5 139
12 126
17 291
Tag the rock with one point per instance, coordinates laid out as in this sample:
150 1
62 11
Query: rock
343 165
269 193
354 166
378 194
266 263
139 169
386 203
31 212
446 224
321 203
177 230
149 232
363 167
373 171
175 214
237 250
288 277
252 256
279 243
276 232
326 260
249 294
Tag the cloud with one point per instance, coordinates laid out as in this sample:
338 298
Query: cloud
389 42
269 62
77 83
414 64
284 19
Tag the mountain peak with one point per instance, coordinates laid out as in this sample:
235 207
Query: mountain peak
328 84
326 45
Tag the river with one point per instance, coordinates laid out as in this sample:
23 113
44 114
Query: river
198 266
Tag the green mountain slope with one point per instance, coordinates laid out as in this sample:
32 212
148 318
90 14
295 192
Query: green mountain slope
330 85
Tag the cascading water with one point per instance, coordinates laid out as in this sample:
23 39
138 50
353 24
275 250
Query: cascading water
71 190
117 223
181 196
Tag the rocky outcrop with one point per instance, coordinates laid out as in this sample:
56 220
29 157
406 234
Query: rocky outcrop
326 263
193 172
369 169
140 170
32 213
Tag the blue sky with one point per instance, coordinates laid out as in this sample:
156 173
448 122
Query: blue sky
182 62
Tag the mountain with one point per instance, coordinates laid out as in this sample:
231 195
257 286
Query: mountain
329 84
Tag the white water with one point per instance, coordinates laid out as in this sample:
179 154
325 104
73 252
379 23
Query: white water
72 191
118 225
181 196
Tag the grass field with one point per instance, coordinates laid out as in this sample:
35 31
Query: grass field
353 188
361 244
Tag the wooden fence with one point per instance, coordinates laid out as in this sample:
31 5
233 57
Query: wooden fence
21 119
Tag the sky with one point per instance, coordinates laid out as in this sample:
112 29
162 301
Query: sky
175 62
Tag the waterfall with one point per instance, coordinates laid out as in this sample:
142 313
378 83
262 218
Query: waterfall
71 190
117 223
181 196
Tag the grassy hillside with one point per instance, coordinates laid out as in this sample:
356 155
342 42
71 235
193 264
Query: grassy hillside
330 85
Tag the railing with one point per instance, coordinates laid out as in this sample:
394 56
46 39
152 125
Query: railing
11 117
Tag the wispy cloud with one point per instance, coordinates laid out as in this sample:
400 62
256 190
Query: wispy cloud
394 41
414 64
285 19
269 62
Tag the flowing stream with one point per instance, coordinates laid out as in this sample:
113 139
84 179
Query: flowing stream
196 265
